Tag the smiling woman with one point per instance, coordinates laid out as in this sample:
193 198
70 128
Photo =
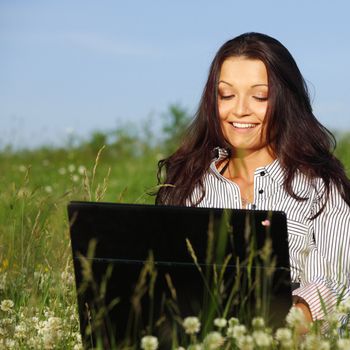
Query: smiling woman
255 143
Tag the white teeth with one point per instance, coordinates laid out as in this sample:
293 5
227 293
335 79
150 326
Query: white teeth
243 125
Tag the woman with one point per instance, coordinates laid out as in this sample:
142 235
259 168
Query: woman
256 144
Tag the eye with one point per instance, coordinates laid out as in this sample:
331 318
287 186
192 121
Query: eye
260 99
226 97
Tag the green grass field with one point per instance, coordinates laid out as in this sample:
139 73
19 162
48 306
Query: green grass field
35 257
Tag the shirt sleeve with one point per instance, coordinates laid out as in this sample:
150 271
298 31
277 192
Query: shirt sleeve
326 273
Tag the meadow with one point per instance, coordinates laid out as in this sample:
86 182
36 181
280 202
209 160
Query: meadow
37 292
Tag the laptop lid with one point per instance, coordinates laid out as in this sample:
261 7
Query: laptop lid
140 269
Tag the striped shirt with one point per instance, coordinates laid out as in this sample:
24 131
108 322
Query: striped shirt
319 248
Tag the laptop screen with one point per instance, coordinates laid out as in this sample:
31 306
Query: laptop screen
140 269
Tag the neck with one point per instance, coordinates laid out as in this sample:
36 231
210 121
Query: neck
243 164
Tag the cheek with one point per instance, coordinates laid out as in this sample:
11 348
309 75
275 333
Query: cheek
223 111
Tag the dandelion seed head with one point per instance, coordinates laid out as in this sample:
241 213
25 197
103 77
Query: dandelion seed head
22 168
191 324
71 168
220 322
149 342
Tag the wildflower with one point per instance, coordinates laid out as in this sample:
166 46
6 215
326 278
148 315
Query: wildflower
295 317
195 347
344 306
75 178
258 323
236 332
62 171
233 321
48 189
313 342
283 335
220 322
149 342
22 168
81 169
262 339
20 330
213 341
191 325
245 343
71 168
7 305
343 344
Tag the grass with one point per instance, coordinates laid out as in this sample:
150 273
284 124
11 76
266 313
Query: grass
35 256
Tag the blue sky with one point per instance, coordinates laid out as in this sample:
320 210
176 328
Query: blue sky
86 65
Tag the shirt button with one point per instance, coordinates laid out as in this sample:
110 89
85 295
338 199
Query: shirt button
261 191
253 206
262 173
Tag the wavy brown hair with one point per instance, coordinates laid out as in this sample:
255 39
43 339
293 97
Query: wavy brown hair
294 135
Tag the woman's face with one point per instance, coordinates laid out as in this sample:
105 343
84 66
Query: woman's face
242 103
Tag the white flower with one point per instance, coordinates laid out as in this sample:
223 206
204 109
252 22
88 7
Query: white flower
245 343
195 347
7 305
48 189
295 317
262 339
71 168
75 178
213 341
283 335
81 169
236 332
62 171
258 322
10 344
149 342
344 306
191 325
20 330
233 321
343 344
220 322
313 342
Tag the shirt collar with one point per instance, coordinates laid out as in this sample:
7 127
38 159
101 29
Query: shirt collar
274 169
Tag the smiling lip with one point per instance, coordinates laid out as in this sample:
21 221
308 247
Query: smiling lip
243 125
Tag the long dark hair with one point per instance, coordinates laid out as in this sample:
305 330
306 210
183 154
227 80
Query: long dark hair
294 135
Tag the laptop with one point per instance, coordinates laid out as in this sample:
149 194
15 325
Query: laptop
141 269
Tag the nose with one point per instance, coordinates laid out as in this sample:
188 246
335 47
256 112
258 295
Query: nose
241 107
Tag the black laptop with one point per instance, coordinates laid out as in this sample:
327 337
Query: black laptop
141 269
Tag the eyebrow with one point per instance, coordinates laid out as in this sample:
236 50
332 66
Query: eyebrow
255 85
